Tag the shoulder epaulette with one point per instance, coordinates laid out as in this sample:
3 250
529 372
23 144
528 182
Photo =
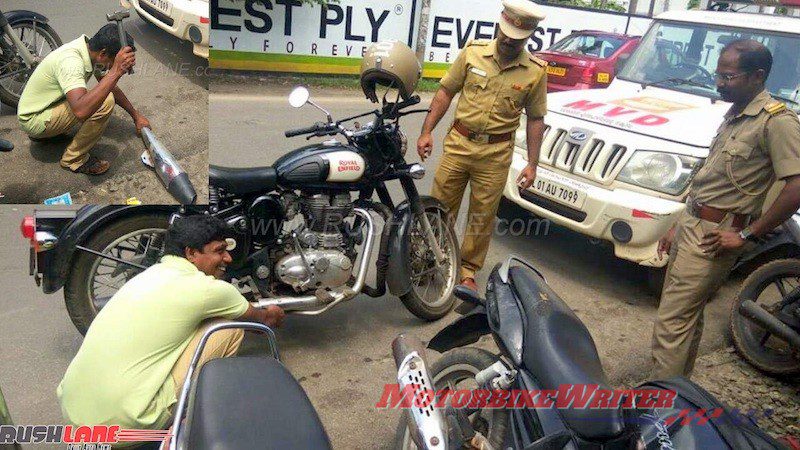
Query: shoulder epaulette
479 42
775 107
539 61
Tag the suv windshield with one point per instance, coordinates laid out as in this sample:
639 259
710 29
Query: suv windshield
680 51
588 45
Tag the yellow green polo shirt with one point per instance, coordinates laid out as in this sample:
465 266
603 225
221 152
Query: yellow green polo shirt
122 372
66 68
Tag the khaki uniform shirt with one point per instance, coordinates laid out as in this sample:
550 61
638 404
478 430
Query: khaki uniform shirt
492 96
750 151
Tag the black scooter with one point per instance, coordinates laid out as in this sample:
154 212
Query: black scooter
25 39
545 346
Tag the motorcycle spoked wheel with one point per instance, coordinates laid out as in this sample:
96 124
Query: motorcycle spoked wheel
459 367
766 286
93 280
41 39
421 301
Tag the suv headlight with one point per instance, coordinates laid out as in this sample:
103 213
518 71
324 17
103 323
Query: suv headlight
659 171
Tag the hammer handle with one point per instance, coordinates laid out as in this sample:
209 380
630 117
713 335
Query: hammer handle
123 41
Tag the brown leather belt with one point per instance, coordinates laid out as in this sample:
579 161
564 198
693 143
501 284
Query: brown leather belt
482 138
715 215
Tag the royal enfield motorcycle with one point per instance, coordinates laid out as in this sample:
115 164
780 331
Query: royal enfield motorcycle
765 315
25 39
544 346
304 229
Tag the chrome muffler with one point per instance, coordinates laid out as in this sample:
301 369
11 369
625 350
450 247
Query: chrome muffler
325 300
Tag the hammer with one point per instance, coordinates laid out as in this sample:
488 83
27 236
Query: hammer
123 39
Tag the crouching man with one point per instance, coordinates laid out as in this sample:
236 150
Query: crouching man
56 98
137 352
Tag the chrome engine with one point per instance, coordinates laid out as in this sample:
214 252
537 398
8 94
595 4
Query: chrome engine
317 257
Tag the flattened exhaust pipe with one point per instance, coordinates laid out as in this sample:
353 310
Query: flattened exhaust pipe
759 315
318 304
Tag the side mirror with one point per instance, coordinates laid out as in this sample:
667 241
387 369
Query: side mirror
621 62
299 97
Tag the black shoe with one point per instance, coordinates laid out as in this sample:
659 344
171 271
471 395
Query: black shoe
6 146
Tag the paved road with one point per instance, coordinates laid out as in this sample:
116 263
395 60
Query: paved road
170 88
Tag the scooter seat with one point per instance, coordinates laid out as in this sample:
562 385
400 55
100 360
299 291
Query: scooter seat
250 402
243 181
559 351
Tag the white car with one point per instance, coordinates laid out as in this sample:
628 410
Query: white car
185 19
616 163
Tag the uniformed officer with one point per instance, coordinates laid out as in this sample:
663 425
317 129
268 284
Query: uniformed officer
758 142
497 80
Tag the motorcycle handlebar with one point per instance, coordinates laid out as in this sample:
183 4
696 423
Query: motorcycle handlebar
405 344
301 131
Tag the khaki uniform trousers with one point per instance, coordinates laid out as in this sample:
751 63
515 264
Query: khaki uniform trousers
692 278
62 120
221 344
485 168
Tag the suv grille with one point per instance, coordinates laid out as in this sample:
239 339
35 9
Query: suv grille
596 160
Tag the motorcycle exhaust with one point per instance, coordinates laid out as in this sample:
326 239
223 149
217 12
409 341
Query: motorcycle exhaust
759 315
174 179
426 424
324 300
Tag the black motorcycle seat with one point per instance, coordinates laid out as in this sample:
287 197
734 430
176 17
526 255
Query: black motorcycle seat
243 181
558 350
250 402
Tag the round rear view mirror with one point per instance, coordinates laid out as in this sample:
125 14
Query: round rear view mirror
299 97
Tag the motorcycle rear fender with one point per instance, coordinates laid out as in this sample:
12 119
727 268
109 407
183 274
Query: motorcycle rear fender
55 268
464 331
21 15
399 281
780 244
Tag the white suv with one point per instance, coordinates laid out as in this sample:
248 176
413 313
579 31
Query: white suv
185 19
616 163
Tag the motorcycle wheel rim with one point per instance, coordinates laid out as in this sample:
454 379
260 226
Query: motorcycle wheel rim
128 248
423 262
39 43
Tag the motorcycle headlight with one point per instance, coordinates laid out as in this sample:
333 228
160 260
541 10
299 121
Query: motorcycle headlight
659 171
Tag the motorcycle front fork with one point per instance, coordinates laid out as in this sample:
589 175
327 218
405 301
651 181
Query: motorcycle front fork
416 207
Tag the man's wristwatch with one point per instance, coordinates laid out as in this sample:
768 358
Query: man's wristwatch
747 234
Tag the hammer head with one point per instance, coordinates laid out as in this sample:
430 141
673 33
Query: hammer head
118 16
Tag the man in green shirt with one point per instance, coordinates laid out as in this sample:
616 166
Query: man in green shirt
136 353
56 98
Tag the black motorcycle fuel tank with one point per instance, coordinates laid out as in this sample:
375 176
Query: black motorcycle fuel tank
327 163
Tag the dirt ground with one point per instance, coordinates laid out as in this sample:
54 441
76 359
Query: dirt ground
774 402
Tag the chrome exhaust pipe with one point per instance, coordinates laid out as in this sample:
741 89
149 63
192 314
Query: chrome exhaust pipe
318 304
759 315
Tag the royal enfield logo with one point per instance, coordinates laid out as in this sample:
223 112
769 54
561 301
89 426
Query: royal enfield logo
345 165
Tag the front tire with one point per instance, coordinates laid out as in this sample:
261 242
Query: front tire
458 366
137 238
766 353
425 272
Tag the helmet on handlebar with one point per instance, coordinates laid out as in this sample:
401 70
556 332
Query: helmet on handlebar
391 64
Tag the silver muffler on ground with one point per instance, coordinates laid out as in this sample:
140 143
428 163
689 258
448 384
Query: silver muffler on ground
324 300
174 179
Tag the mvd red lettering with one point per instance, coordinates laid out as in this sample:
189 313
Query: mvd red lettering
617 111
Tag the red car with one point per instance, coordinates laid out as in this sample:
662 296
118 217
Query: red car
585 59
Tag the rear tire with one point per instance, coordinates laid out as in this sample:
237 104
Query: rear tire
81 304
455 365
747 335
422 260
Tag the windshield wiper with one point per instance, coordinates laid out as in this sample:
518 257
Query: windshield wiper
677 81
